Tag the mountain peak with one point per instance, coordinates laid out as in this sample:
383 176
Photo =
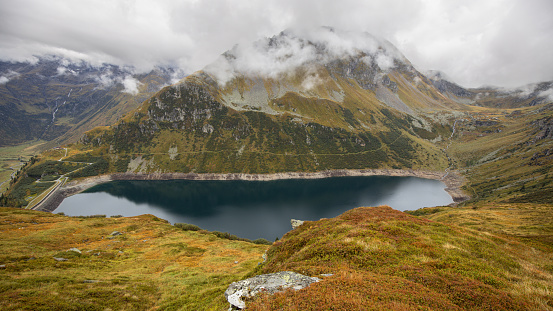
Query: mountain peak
296 48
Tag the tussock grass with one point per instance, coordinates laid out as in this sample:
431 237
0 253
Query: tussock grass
385 259
153 265
527 232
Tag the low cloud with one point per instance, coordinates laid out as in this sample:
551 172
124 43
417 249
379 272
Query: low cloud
10 75
547 93
500 42
110 79
525 91
106 79
311 80
130 85
61 70
292 49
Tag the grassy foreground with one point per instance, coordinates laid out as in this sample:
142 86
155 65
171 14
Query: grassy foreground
382 259
485 257
152 265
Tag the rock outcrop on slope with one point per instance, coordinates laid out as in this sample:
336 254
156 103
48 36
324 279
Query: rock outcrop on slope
238 292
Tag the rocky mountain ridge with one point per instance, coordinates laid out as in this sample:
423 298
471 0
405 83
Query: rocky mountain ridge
495 97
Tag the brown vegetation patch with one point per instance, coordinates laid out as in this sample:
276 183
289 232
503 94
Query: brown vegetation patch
386 259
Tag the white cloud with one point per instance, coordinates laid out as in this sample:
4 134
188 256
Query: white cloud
61 70
130 85
526 90
384 61
547 93
106 80
6 77
501 42
272 57
311 79
110 79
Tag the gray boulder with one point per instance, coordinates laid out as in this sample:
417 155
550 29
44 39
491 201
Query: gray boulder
267 283
74 250
296 223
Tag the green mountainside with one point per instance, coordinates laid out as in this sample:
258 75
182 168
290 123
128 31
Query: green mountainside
354 114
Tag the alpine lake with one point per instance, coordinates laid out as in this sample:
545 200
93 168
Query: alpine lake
253 209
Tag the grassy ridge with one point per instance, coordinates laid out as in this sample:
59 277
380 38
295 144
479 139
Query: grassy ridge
151 265
489 257
384 259
528 224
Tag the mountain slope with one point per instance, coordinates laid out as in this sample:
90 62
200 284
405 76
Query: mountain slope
506 155
382 259
317 107
148 264
493 97
54 99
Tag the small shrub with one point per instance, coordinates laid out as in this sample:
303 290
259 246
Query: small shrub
92 216
187 227
425 211
228 236
262 241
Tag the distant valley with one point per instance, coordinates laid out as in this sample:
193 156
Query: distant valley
56 100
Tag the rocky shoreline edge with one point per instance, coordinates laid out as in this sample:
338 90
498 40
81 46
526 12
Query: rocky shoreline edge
452 180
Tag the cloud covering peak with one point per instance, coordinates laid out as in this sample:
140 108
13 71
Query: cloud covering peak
293 48
500 42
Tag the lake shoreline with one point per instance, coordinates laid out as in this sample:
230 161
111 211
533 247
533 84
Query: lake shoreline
452 180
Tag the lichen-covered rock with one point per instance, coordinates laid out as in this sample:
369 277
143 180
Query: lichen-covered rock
267 283
74 250
296 223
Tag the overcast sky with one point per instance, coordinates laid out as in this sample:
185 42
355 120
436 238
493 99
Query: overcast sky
475 42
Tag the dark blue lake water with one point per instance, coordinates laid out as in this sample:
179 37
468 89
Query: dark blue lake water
254 209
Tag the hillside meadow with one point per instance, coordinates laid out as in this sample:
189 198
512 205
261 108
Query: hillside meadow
470 258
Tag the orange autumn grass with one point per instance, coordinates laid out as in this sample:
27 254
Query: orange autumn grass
382 259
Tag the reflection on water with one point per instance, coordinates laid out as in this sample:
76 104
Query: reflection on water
254 209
